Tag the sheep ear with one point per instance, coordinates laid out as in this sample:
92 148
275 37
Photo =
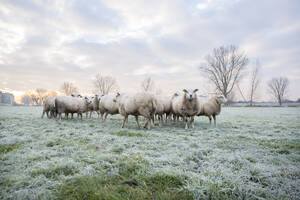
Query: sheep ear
185 90
195 90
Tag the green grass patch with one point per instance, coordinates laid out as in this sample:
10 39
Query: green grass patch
117 149
5 148
128 134
53 172
158 186
282 146
54 143
111 186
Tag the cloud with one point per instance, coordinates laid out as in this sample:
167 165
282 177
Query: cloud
46 43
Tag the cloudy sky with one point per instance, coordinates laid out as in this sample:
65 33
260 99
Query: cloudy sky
46 42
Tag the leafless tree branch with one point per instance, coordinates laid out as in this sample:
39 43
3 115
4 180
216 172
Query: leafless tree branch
278 88
104 84
224 68
254 82
69 88
147 85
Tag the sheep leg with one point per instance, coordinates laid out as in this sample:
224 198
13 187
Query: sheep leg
209 117
192 122
161 120
43 115
148 124
125 119
101 118
137 121
186 122
214 116
86 114
105 116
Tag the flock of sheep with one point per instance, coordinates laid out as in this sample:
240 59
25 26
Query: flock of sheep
185 105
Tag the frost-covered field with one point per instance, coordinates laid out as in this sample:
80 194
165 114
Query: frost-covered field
253 153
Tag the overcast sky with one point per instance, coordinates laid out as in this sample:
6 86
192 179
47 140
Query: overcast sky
44 43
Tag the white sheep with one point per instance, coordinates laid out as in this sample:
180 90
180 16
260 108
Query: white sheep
96 103
211 107
108 105
137 104
186 105
163 107
69 104
49 106
94 106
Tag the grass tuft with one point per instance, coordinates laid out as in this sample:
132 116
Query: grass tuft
157 186
111 186
55 171
128 134
5 148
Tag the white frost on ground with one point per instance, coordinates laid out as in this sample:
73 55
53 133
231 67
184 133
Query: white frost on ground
252 151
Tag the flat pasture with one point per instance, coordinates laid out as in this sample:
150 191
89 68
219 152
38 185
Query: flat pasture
252 153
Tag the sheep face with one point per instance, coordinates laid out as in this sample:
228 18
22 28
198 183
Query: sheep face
88 100
190 94
222 99
99 96
117 97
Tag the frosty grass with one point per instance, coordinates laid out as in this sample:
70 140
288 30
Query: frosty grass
253 153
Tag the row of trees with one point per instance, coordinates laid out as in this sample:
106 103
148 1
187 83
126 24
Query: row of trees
225 67
37 97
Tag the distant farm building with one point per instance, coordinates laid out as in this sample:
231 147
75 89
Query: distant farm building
7 98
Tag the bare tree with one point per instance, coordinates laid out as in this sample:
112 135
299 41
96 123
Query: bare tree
26 98
254 82
41 93
147 85
105 84
68 88
278 88
224 68
231 97
34 98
